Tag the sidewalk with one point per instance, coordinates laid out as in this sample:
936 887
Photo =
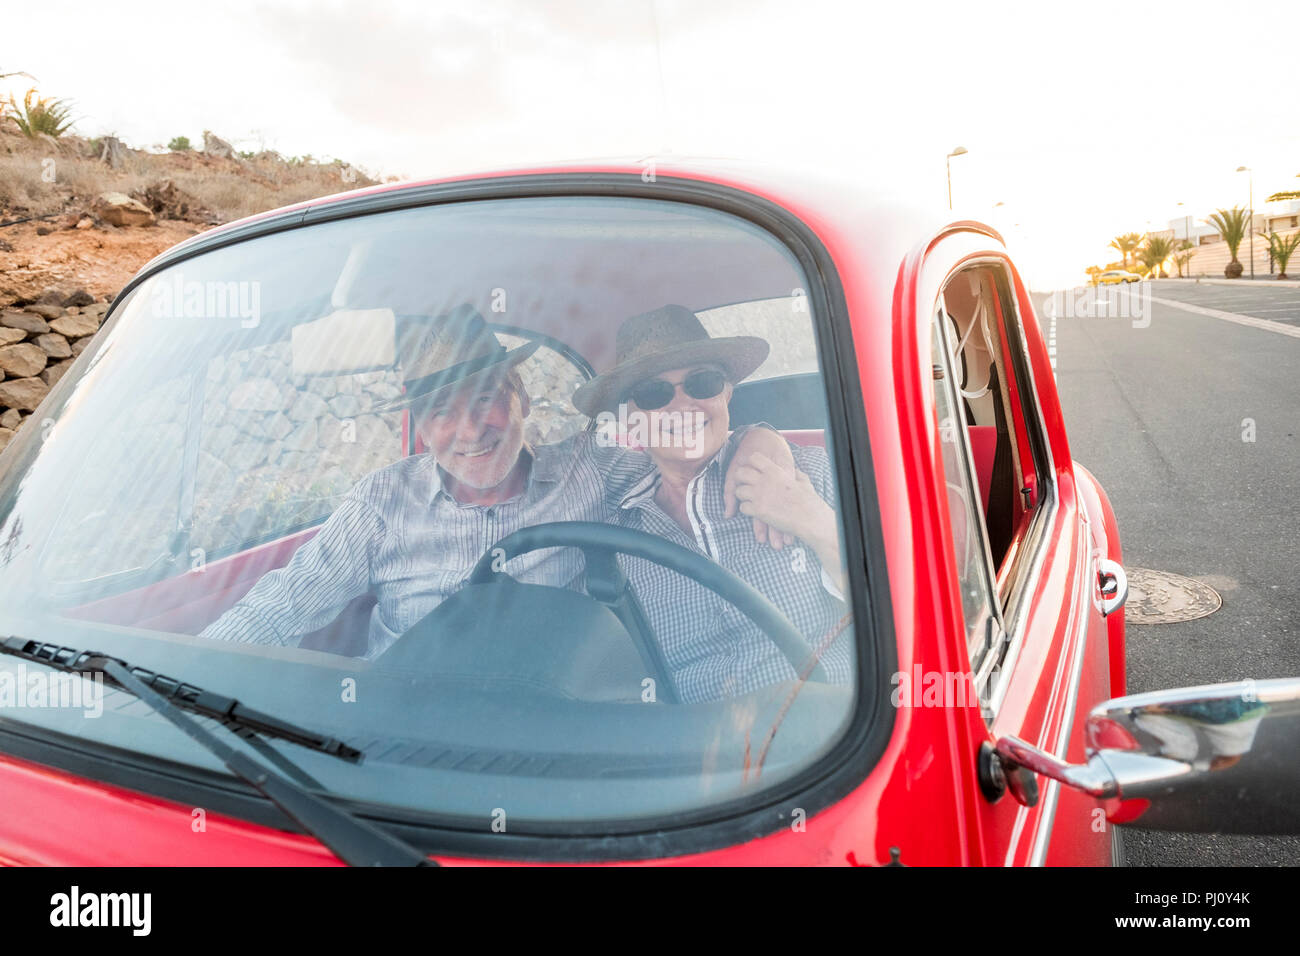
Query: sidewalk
1243 281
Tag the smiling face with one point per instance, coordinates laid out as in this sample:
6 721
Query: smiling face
476 434
687 430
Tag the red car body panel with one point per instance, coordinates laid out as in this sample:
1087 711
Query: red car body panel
922 796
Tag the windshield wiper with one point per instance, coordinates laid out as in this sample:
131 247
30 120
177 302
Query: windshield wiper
353 840
187 696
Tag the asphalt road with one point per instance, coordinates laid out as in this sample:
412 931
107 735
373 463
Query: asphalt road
1258 298
1164 416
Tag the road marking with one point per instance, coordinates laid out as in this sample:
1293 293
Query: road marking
1051 343
1242 303
1239 300
1268 325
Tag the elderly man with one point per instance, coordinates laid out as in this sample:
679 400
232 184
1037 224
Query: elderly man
410 533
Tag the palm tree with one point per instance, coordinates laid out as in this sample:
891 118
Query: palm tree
1093 272
1233 225
1285 194
1155 251
1126 243
1282 250
1186 249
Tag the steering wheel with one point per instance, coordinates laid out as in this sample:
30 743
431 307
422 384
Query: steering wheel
607 584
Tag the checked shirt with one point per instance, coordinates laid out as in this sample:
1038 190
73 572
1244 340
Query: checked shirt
712 649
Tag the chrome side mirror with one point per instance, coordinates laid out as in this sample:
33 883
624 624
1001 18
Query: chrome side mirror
1224 758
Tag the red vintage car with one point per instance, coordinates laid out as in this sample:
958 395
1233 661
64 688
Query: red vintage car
250 616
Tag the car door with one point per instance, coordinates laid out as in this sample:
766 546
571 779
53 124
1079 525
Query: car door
1023 553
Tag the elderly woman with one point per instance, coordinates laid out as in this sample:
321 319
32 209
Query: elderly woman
670 390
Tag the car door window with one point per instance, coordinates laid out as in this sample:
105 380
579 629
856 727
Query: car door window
995 407
980 608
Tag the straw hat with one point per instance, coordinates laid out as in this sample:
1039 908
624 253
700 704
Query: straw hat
671 336
456 349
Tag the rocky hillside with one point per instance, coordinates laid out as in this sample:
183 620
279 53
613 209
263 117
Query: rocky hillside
79 217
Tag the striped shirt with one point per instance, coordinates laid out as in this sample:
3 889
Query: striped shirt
402 537
712 649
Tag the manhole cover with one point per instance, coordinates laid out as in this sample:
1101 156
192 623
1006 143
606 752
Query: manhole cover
1158 597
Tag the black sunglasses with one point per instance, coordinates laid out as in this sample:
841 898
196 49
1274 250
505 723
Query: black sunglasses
656 393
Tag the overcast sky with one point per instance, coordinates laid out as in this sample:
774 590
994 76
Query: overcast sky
1084 123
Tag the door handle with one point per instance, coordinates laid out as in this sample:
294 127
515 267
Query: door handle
1112 582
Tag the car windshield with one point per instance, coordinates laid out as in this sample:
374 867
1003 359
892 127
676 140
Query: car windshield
282 459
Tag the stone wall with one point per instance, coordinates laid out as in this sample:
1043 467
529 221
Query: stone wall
38 343
276 451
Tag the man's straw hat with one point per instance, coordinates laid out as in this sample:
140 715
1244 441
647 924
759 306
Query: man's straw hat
457 350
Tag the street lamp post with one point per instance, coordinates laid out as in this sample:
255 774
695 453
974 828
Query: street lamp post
958 151
1250 175
1187 238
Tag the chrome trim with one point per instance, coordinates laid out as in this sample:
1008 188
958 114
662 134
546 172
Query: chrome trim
1112 582
1047 802
1018 599
989 660
1278 693
1092 778
1216 759
1047 818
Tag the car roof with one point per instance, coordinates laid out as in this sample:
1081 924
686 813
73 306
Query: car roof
866 230
817 197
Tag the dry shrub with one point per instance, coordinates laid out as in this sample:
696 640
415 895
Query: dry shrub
87 178
21 188
230 188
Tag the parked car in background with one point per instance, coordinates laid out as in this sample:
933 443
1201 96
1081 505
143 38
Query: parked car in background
1117 276
247 380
